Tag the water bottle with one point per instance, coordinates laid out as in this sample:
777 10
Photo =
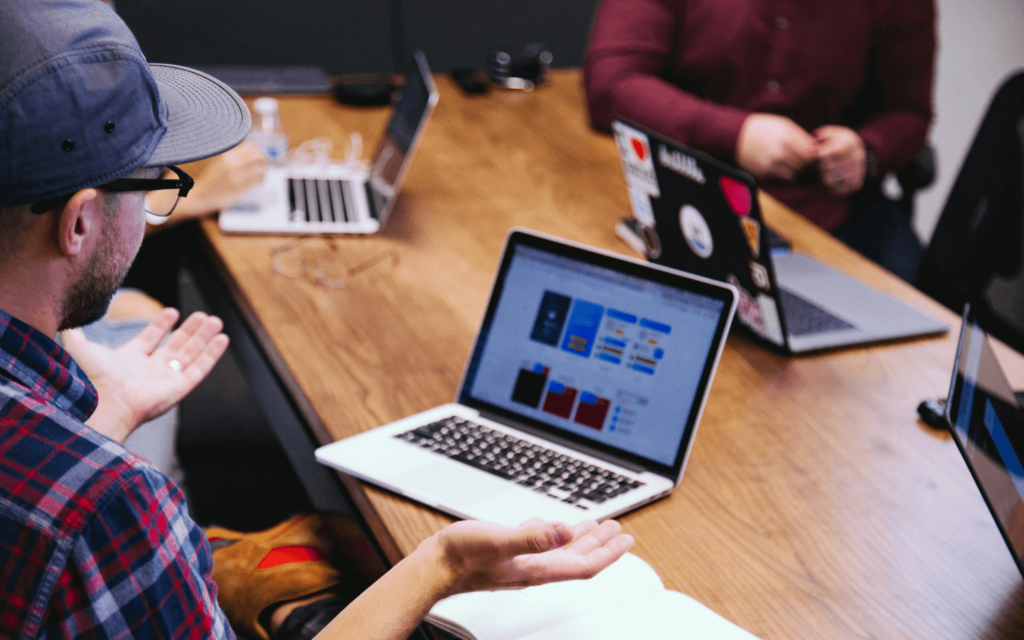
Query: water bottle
267 132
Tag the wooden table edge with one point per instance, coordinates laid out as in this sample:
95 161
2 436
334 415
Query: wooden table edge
354 487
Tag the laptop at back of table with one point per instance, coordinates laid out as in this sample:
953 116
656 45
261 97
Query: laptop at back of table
701 215
580 399
337 198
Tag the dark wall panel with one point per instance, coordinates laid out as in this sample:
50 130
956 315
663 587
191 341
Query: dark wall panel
338 36
346 36
459 33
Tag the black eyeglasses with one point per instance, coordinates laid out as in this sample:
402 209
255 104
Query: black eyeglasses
161 205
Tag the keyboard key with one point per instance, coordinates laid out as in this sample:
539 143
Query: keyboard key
531 466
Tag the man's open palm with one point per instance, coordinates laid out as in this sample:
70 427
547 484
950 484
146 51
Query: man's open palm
143 378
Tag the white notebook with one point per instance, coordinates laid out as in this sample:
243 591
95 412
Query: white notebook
626 600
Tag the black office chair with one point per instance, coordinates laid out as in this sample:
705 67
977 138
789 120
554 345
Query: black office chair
913 177
976 252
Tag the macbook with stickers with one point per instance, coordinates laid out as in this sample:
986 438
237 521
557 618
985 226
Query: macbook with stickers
580 399
337 198
701 215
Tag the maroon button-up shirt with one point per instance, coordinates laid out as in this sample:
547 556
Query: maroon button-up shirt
695 69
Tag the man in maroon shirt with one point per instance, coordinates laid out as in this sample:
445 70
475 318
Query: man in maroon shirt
815 99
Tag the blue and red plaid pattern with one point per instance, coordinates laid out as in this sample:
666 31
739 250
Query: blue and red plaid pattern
94 542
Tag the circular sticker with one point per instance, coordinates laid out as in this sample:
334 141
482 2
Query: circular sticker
696 231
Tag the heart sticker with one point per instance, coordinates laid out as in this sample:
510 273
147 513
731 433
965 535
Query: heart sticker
639 148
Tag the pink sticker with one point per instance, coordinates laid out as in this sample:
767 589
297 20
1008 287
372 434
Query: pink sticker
736 194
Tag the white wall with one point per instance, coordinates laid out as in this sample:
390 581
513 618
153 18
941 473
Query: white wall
980 43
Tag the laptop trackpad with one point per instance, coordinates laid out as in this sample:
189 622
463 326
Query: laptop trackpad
440 484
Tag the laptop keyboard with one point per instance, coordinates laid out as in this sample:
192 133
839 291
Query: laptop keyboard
529 465
316 200
804 318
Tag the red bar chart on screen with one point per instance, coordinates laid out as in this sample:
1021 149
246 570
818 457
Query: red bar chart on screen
559 400
592 410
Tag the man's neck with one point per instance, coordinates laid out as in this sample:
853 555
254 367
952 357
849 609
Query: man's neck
27 292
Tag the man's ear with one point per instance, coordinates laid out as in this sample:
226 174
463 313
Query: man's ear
80 217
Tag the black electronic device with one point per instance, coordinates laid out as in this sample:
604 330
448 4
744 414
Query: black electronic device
932 412
473 82
524 70
366 90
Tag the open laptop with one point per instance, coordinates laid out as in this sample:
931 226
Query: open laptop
701 215
336 198
580 399
987 423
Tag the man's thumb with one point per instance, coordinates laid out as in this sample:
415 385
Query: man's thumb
541 538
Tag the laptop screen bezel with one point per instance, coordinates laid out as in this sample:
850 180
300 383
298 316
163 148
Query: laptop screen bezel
628 266
953 400
418 65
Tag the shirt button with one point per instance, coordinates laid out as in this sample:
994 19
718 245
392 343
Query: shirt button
774 86
781 22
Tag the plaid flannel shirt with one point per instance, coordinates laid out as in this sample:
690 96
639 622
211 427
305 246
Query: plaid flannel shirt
94 542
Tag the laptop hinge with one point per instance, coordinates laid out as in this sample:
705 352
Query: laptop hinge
371 202
565 442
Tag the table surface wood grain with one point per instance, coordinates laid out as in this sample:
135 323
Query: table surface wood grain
814 505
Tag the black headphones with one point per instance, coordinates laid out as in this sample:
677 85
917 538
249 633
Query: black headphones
524 71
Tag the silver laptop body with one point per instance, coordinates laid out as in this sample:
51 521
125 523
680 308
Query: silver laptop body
335 198
701 215
580 399
871 315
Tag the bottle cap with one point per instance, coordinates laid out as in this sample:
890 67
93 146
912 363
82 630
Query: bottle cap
265 106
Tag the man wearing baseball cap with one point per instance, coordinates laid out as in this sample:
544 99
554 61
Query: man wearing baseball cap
95 542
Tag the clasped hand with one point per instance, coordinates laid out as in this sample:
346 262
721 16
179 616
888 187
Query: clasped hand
144 378
775 147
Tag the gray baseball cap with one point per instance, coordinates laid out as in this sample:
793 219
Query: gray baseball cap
81 106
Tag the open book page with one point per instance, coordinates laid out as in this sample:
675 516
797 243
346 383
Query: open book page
666 615
509 615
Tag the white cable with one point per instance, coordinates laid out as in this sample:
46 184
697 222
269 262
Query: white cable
318 152
354 151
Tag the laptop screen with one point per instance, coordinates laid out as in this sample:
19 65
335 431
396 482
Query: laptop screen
988 426
407 122
606 352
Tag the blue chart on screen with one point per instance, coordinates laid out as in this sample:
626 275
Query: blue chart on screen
583 324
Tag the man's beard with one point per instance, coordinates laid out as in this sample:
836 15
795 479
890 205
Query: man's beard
89 298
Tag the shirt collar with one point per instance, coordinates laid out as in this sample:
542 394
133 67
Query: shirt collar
33 359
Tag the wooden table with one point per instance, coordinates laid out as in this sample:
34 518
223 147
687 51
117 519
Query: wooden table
815 505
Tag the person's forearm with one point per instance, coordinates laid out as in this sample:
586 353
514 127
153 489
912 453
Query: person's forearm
905 75
896 137
394 605
630 49
477 556
655 103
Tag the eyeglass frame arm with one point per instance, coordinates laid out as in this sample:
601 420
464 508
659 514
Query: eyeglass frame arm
183 184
